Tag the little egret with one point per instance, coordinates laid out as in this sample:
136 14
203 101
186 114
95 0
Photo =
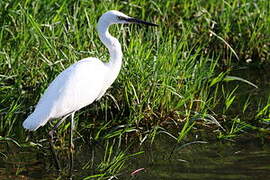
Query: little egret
82 83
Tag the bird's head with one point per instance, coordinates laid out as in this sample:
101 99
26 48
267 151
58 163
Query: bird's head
116 17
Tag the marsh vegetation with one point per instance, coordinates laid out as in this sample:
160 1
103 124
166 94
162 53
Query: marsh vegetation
201 76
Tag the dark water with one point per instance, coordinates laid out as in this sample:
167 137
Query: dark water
162 160
218 160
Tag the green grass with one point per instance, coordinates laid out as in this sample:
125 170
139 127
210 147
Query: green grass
177 76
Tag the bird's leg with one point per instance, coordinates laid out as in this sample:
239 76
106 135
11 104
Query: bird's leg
51 140
57 163
71 142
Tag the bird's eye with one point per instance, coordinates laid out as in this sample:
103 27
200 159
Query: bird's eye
121 18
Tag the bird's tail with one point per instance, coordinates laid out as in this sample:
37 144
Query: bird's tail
33 122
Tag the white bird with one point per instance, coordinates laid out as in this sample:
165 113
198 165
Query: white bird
83 82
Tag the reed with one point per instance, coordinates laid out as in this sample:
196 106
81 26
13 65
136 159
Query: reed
178 75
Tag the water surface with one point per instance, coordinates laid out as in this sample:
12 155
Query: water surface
162 160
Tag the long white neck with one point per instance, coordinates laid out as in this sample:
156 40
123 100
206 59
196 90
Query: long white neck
114 47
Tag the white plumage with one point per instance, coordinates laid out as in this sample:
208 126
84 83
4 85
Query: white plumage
76 87
83 82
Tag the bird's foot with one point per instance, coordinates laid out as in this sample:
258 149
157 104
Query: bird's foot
51 136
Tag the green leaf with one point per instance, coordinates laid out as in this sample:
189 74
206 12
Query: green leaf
234 78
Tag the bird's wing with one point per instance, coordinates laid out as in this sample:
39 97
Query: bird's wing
74 88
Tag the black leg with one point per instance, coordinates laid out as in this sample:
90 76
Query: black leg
56 160
71 143
51 140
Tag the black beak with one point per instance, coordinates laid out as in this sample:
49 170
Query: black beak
137 21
